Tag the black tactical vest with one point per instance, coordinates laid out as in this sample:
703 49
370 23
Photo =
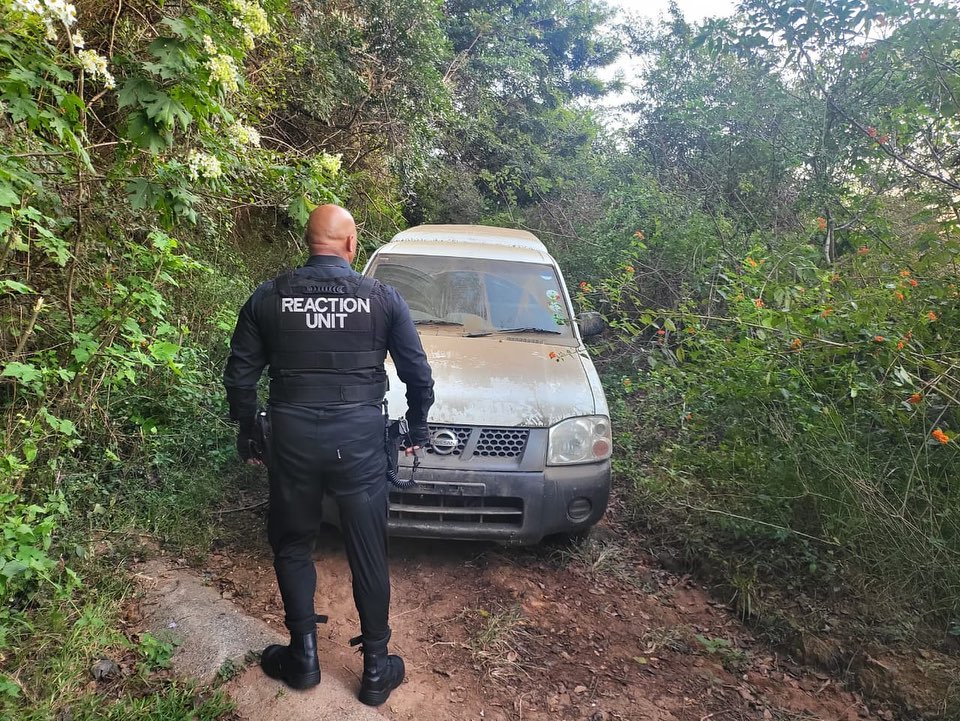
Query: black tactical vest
329 341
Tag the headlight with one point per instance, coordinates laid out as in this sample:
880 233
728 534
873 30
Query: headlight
579 440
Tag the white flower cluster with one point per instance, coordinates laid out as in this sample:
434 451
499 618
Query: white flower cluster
63 11
203 165
328 164
241 135
209 47
223 70
95 65
250 18
28 6
50 11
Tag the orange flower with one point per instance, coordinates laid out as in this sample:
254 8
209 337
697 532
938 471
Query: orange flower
915 398
872 132
639 235
898 295
629 269
905 273
826 311
661 332
863 250
758 302
689 416
553 355
796 344
883 139
751 262
584 286
931 315
913 282
900 345
878 339
940 436
821 223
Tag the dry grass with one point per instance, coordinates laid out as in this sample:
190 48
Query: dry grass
499 643
595 555
673 638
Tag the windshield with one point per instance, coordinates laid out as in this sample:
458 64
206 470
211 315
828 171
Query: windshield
485 296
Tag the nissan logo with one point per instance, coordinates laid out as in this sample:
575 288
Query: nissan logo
444 442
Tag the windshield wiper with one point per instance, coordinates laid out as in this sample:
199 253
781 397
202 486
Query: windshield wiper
435 321
530 329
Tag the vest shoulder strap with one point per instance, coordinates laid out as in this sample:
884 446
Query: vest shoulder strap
365 287
284 283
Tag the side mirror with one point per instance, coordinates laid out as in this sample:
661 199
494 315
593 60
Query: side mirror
590 323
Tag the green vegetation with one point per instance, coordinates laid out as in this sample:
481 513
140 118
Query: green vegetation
772 232
785 301
153 168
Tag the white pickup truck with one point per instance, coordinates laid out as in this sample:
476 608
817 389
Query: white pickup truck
520 430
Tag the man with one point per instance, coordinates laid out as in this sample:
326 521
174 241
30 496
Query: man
324 332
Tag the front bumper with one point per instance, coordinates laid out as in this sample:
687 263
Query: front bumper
511 506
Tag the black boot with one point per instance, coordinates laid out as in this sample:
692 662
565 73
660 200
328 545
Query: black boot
381 672
296 665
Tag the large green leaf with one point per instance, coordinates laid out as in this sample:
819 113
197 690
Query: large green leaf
26 373
134 90
8 197
165 110
144 133
142 193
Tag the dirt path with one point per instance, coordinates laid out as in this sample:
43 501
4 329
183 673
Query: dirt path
591 632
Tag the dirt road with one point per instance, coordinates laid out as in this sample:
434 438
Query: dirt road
595 631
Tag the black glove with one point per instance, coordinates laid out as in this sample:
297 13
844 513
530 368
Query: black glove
420 435
246 447
251 441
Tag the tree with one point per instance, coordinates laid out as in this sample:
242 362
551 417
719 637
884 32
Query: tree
516 69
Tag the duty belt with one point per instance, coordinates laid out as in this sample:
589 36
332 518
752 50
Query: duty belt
282 391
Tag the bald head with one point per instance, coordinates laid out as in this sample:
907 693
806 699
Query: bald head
331 230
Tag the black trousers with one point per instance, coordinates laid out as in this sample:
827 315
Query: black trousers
340 450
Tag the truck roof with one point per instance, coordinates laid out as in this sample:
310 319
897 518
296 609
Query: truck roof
471 241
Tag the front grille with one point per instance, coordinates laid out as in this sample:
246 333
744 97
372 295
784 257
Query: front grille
502 442
486 442
429 507
462 433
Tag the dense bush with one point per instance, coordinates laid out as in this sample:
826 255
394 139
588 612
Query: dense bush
818 401
780 277
137 168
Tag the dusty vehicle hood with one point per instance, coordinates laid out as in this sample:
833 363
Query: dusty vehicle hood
504 381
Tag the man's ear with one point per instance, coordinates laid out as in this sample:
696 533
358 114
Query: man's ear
352 246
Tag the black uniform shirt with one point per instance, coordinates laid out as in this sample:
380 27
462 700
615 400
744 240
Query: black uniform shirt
249 352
